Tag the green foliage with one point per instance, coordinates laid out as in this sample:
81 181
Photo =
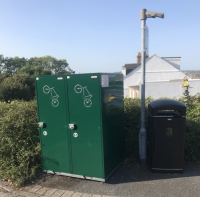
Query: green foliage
20 86
19 142
46 65
132 109
17 75
10 65
192 137
3 76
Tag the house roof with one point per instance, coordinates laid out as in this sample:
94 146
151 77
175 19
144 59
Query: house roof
157 69
174 61
131 65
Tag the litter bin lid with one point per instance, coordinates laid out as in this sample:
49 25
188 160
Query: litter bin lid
166 104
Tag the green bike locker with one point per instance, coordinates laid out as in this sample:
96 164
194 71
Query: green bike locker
81 124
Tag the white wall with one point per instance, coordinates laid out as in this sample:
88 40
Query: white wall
126 93
152 76
164 89
168 89
195 86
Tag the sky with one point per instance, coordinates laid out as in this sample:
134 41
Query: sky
99 35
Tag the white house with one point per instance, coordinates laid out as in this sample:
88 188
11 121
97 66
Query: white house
163 78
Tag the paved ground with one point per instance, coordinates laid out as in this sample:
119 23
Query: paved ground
127 181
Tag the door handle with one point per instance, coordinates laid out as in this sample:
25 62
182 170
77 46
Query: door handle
41 124
71 126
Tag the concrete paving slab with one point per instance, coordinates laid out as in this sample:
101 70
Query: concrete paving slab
35 188
68 194
3 194
86 195
42 190
24 194
58 193
107 196
5 186
77 194
50 192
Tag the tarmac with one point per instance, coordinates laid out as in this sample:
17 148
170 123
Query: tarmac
126 181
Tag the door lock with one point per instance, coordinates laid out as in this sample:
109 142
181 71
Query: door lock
41 124
71 126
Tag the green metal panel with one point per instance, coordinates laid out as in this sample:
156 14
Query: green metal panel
113 121
52 110
85 113
96 145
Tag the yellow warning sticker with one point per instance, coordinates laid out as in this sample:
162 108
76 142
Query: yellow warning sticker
185 83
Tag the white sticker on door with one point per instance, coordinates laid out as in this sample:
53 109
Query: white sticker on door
86 94
54 96
104 81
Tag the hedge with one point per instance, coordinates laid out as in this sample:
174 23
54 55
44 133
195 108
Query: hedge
19 137
19 142
19 86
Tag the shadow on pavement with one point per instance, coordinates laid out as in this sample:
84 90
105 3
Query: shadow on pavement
129 180
127 174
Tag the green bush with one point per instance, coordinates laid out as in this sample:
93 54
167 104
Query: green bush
19 142
192 138
19 136
132 109
20 86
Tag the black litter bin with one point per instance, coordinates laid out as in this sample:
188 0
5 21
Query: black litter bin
166 135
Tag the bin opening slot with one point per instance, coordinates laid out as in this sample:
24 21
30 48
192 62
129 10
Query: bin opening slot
169 113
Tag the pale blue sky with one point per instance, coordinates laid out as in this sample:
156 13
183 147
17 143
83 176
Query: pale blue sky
99 35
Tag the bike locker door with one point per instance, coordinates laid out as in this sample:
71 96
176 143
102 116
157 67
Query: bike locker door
51 99
85 114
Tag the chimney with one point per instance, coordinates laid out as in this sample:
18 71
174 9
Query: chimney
139 57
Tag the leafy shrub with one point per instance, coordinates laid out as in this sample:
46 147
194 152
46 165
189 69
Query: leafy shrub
19 86
192 138
132 109
19 142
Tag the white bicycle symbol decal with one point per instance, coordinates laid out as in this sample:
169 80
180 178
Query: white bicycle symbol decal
86 94
54 96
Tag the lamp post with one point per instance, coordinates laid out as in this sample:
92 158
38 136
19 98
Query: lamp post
144 14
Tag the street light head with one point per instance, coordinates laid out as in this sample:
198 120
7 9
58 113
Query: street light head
144 14
150 14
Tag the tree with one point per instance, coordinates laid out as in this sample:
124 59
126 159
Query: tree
45 66
10 65
34 70
16 75
19 86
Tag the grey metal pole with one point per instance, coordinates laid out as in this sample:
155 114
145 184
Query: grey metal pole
142 133
144 14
